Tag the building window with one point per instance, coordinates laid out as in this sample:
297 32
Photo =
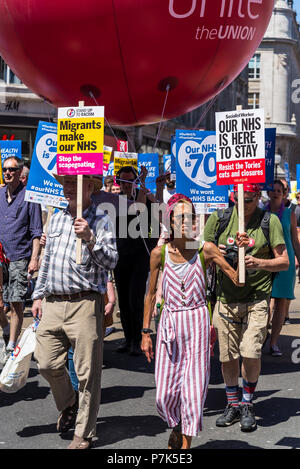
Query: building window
2 69
253 100
254 67
7 75
13 79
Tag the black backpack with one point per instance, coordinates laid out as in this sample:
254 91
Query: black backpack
224 219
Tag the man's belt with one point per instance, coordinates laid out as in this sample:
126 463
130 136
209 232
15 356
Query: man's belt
72 296
232 321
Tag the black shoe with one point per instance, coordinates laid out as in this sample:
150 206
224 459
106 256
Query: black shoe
135 350
123 348
247 420
230 415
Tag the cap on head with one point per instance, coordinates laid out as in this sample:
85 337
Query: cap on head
255 188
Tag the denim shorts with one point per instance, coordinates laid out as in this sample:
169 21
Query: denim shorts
14 291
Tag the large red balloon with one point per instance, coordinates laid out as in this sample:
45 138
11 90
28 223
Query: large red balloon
126 52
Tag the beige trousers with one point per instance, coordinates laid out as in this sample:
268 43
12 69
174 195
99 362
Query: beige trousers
76 323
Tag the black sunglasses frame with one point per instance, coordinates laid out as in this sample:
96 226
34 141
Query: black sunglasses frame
10 169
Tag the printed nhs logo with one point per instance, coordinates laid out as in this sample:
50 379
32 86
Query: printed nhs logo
197 159
196 172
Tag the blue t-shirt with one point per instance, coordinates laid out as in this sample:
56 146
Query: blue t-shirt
21 222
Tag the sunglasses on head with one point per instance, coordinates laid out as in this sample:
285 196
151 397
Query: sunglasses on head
11 170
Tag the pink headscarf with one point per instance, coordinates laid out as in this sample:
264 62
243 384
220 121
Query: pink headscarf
174 200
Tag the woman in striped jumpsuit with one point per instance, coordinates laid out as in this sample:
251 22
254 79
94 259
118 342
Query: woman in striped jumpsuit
182 367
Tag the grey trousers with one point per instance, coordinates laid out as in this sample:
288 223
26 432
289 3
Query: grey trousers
77 323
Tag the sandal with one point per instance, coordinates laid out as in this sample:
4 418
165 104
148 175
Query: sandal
80 443
67 417
175 439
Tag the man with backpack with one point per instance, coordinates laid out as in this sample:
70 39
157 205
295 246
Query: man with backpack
241 314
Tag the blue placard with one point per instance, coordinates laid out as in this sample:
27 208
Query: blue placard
151 163
173 157
196 170
42 187
287 174
298 177
167 164
270 145
110 170
10 148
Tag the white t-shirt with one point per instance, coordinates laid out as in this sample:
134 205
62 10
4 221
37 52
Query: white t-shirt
167 194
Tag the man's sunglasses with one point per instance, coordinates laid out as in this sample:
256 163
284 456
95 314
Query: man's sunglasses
11 170
246 201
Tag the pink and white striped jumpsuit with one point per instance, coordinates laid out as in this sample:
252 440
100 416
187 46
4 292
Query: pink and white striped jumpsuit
182 366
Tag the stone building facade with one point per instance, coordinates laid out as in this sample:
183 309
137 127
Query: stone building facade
274 81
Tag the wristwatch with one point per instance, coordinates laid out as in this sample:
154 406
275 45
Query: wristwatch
146 331
91 241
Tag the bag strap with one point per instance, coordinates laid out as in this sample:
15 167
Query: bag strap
224 219
163 256
265 225
201 254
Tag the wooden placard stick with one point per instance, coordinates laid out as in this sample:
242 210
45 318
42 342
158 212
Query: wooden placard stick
202 223
79 206
45 229
242 267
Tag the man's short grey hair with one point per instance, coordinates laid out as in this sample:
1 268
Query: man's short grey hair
18 160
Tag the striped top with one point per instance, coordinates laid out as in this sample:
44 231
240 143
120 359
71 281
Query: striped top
59 273
193 295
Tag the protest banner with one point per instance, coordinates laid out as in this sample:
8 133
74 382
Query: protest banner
240 147
10 148
196 170
287 174
151 162
167 163
294 190
107 152
122 146
110 170
42 187
173 158
124 159
240 157
270 145
80 136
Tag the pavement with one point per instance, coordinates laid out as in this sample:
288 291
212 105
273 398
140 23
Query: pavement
128 419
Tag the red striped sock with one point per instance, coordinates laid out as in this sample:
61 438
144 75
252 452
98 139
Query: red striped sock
248 391
232 393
